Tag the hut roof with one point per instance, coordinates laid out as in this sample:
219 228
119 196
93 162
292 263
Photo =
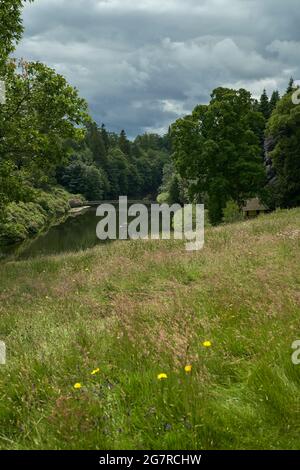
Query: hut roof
254 205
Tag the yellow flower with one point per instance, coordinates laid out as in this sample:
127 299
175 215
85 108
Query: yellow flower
162 376
95 371
77 386
188 369
207 344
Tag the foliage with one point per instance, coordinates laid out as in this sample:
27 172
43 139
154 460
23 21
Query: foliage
88 180
124 144
283 130
95 142
264 105
275 97
217 149
43 110
23 220
11 27
232 213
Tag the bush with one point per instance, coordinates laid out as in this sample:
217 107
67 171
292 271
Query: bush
163 198
232 213
22 220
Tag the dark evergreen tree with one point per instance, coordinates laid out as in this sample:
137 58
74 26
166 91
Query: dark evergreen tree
124 144
274 100
264 105
105 137
95 142
290 87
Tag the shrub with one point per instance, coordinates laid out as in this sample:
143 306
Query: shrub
232 213
22 220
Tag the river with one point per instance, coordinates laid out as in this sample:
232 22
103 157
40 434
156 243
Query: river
77 232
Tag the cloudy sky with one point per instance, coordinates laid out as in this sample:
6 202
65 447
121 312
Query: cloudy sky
143 63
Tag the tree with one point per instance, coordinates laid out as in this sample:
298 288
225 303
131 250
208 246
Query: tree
290 87
118 173
274 100
41 113
85 179
175 190
105 137
217 149
264 105
94 140
124 144
11 27
283 132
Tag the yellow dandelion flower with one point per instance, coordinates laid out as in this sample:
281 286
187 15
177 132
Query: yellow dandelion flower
188 369
77 386
207 344
162 376
95 371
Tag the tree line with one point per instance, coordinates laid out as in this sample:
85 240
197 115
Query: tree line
105 165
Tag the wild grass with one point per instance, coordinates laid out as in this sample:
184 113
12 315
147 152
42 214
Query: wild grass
137 309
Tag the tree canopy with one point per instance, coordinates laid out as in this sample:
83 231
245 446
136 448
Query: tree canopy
217 148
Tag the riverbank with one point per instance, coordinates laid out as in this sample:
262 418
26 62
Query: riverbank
112 318
25 220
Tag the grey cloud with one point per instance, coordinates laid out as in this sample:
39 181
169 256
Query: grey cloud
143 63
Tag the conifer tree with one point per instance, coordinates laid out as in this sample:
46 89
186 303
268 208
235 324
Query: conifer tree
264 105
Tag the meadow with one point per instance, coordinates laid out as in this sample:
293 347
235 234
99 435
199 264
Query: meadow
142 345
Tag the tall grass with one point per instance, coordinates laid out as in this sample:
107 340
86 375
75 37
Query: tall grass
138 309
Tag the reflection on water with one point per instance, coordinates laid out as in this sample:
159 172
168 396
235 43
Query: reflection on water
75 234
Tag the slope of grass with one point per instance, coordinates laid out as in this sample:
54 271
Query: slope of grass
136 309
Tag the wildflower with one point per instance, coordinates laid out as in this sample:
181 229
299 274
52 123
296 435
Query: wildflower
207 344
188 369
162 376
95 371
77 386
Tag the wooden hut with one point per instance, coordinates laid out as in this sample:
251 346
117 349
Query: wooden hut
254 207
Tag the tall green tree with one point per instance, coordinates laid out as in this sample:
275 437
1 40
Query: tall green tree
283 131
118 173
41 112
85 179
290 87
94 139
11 28
264 105
274 100
217 148
124 144
105 137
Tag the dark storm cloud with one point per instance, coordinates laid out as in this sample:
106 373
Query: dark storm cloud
143 63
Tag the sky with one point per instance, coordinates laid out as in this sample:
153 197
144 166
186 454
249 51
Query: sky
141 64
